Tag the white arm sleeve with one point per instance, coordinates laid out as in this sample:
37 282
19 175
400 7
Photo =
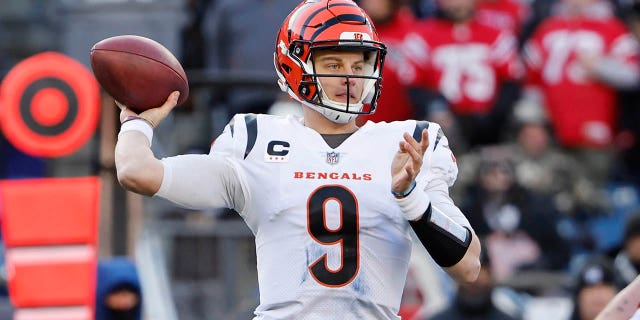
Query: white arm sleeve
438 192
201 181
441 173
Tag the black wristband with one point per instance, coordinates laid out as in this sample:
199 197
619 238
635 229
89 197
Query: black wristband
405 193
446 241
131 118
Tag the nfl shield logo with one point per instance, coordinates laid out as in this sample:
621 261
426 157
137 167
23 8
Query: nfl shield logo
333 157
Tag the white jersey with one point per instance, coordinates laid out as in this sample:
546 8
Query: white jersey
331 241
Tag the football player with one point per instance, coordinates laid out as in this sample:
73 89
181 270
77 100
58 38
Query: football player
331 204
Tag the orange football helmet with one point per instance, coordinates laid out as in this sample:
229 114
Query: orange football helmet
328 24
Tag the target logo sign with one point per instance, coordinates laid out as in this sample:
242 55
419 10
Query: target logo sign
49 105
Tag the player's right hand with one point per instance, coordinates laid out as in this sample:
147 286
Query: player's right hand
155 115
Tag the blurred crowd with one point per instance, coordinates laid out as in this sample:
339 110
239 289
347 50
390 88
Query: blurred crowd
540 101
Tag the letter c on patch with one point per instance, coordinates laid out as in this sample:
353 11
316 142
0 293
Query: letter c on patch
278 148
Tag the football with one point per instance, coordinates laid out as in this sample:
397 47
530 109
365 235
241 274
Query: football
138 72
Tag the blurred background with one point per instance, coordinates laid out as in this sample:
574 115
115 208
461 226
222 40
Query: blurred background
539 100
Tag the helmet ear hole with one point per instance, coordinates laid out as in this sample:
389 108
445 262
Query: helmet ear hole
297 50
304 90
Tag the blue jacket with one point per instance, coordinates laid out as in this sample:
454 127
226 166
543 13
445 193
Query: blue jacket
113 274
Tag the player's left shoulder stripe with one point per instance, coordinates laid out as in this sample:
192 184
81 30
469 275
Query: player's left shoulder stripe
251 122
438 137
420 125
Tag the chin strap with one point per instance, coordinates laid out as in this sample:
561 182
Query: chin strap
334 116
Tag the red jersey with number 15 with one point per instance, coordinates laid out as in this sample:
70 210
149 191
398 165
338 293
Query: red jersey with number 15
467 63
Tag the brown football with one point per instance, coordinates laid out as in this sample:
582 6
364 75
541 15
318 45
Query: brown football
138 72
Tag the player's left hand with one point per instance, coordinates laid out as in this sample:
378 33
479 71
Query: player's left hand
408 161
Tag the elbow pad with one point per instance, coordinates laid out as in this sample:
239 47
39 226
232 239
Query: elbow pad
445 240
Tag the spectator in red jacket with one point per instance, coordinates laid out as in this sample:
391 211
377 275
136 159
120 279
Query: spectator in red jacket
475 67
576 61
